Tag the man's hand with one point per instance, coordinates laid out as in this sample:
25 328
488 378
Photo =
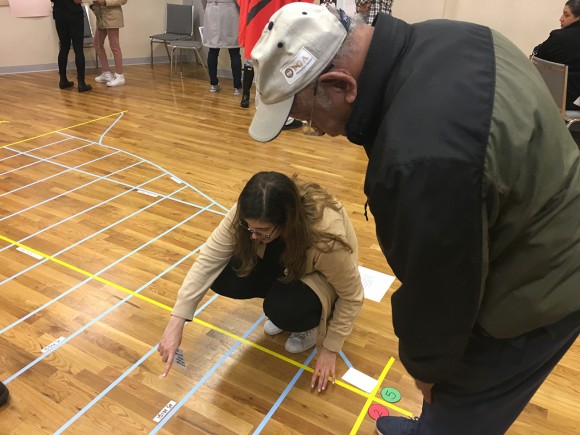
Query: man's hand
170 341
325 367
425 389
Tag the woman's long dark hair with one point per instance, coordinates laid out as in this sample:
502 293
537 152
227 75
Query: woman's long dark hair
275 198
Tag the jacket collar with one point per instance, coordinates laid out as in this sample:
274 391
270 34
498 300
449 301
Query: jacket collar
387 46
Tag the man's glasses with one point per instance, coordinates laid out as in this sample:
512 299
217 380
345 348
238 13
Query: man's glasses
258 234
307 128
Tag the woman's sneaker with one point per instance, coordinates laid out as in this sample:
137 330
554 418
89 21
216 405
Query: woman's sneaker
271 329
215 88
301 341
105 77
118 80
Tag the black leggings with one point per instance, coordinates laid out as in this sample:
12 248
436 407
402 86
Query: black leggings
70 28
235 64
292 307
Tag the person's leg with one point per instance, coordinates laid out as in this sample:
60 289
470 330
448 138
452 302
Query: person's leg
236 65
255 285
99 44
212 64
247 80
496 380
77 35
64 38
292 307
115 45
119 77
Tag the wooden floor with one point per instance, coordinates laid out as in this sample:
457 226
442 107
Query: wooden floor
105 199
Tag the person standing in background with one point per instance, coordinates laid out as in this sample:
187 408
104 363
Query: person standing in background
368 9
563 46
254 15
68 18
220 30
109 20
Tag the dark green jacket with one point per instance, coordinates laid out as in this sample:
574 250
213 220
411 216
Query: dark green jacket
474 183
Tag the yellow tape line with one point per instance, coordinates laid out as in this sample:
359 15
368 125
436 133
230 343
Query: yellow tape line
370 397
61 129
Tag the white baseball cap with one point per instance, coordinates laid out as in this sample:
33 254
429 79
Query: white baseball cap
296 45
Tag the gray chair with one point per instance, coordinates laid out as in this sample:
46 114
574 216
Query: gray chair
556 77
89 35
186 45
178 26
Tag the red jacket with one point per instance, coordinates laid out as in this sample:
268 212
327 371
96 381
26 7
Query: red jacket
254 15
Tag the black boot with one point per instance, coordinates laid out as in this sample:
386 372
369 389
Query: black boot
247 80
83 87
65 82
3 394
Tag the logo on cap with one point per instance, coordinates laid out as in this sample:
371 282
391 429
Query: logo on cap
298 66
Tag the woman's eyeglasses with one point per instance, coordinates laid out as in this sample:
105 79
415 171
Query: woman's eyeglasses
258 234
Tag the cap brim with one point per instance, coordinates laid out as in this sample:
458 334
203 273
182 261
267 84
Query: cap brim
269 119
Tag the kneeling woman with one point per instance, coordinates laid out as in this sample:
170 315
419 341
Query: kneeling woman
292 245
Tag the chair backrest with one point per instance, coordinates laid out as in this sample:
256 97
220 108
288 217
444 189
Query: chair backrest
88 35
179 19
556 77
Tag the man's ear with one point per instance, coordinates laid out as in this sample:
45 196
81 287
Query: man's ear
341 80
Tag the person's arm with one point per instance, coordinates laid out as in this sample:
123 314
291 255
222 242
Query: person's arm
343 275
552 49
212 259
429 220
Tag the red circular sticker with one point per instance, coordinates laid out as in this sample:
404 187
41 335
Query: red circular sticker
376 411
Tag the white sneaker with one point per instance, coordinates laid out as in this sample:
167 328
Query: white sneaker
105 77
119 80
237 91
271 329
301 341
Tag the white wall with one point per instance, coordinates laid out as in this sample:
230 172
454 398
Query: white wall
28 44
525 22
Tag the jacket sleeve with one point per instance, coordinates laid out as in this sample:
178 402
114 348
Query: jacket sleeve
341 272
429 225
551 49
212 259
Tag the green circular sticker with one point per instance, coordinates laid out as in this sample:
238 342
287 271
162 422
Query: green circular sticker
391 395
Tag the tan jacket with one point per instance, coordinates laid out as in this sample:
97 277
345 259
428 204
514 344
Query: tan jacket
333 276
109 16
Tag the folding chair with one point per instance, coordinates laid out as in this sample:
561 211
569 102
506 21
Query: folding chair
556 77
89 35
178 26
187 45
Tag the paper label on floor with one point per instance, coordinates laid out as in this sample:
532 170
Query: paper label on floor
27 252
178 358
375 283
55 343
164 411
360 380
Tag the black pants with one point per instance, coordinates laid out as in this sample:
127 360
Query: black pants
496 381
292 307
235 63
70 27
